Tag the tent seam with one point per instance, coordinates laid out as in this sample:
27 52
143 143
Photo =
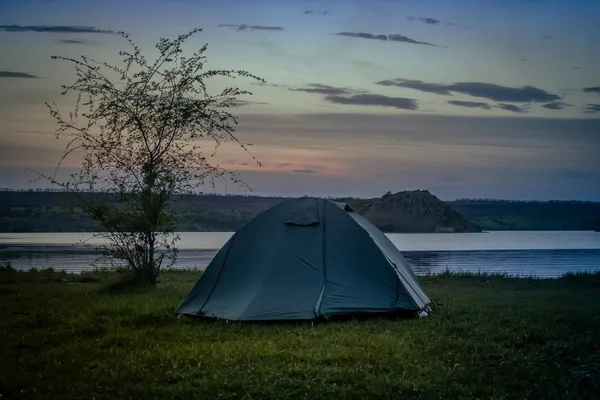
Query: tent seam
219 275
323 217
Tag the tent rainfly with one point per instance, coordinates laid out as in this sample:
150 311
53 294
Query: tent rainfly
306 259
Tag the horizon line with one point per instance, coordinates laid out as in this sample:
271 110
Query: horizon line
329 197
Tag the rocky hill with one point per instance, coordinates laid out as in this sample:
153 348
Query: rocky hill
416 211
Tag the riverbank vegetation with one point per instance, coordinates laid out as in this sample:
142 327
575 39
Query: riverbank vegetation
91 336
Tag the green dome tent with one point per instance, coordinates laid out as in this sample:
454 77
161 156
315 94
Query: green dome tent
305 258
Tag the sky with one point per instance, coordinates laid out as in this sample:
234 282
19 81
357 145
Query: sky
465 98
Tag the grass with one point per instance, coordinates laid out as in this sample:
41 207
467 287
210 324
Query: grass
489 337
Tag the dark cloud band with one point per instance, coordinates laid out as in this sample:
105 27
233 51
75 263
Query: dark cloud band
477 89
349 96
511 107
375 100
76 41
595 89
326 90
470 104
12 74
384 38
425 20
557 105
244 27
592 108
239 103
56 29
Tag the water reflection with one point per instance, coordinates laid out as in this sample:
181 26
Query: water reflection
539 263
424 262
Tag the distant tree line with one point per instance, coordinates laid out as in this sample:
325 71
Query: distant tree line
334 198
505 201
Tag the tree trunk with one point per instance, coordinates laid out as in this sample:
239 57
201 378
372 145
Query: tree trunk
151 267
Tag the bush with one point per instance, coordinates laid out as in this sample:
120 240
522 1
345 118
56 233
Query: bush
6 266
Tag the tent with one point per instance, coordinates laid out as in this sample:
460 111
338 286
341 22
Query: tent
306 258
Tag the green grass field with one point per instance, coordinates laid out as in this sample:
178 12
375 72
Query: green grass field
69 337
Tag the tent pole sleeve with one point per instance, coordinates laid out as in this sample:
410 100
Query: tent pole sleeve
220 272
323 215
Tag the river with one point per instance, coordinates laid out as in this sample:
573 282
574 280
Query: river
539 254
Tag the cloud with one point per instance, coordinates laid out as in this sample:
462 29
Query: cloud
430 21
592 108
417 85
382 37
425 20
306 171
326 90
489 91
11 74
259 28
310 12
316 88
238 103
76 41
470 104
349 96
511 107
595 89
244 27
277 85
557 105
405 39
375 100
363 35
56 29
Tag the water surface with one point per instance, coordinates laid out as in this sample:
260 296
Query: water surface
539 254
